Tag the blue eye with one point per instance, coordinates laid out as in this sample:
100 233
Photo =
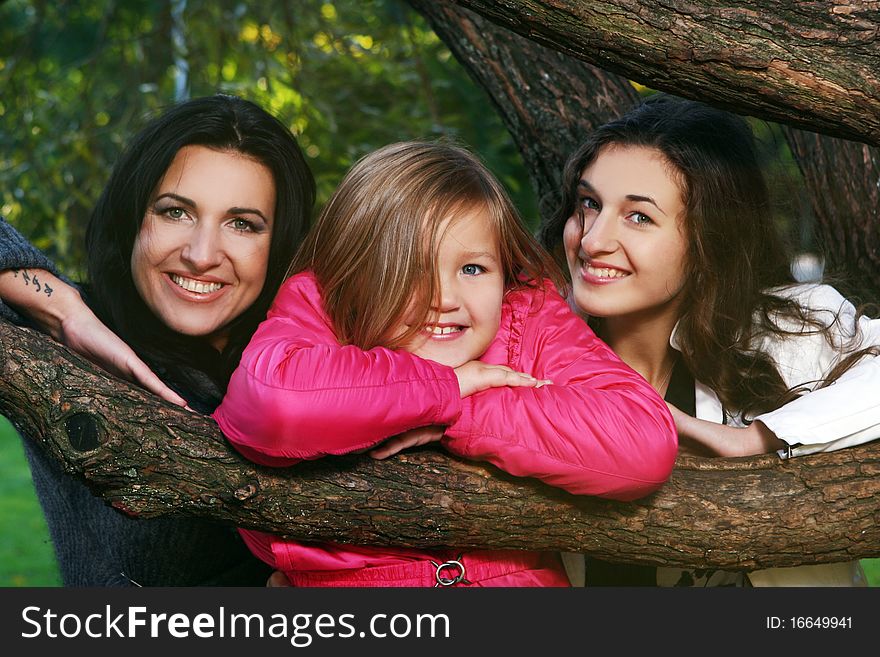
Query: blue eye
472 270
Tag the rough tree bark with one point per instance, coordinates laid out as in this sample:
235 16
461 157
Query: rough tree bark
147 458
814 65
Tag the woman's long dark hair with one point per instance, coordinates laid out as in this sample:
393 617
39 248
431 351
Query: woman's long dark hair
736 255
220 122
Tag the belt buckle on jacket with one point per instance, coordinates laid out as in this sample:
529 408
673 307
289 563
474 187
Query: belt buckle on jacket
449 581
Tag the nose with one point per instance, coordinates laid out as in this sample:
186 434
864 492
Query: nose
599 235
202 250
446 298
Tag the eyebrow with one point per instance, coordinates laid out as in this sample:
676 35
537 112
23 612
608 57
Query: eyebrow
248 211
479 254
638 198
192 204
177 197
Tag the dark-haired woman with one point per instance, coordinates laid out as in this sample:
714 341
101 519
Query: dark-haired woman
187 246
667 232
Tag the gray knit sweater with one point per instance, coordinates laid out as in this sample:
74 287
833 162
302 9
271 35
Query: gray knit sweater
97 546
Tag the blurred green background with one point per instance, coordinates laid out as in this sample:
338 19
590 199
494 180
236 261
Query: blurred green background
78 78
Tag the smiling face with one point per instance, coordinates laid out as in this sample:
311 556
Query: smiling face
200 258
626 250
466 312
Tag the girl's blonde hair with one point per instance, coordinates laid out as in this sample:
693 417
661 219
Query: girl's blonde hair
373 247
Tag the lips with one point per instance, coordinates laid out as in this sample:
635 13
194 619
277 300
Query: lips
195 286
444 330
600 273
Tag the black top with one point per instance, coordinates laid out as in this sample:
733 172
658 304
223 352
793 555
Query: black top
98 546
682 394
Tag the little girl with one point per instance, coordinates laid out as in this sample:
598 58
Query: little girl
419 311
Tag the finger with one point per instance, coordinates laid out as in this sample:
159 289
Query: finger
399 443
519 379
277 580
383 452
389 448
509 370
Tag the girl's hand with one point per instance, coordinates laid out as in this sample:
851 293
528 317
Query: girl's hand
412 438
278 580
702 437
475 376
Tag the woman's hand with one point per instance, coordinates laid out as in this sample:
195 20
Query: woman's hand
58 309
702 437
475 376
412 438
87 335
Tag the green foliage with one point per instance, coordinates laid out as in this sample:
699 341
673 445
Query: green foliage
346 76
872 571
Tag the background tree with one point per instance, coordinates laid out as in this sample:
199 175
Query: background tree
841 178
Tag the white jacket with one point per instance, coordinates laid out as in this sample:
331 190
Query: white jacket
843 414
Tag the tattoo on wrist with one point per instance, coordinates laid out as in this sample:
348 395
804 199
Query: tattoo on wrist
31 279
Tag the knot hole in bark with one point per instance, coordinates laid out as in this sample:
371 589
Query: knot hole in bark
82 432
245 492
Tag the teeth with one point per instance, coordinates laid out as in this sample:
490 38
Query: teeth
195 286
443 330
605 272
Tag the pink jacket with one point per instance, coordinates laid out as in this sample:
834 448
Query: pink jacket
599 429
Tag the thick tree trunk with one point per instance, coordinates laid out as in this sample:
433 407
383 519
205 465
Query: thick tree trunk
843 180
810 64
548 101
149 458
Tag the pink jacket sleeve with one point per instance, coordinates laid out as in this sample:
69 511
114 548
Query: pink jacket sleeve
599 429
297 394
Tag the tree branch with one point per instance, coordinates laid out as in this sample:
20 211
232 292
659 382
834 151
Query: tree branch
149 458
809 64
